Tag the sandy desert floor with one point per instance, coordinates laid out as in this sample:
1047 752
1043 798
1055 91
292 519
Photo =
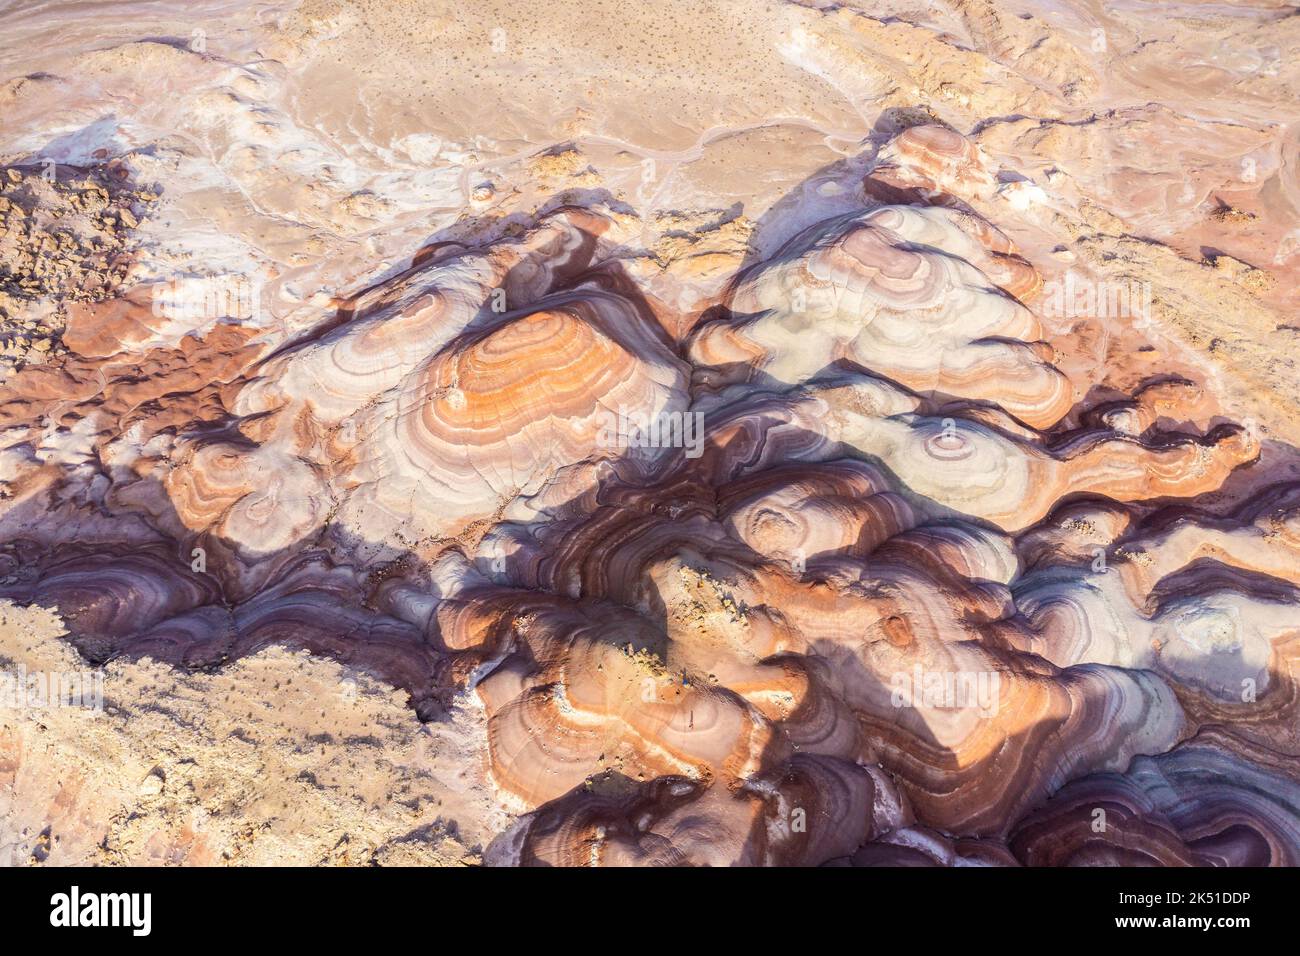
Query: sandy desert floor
690 432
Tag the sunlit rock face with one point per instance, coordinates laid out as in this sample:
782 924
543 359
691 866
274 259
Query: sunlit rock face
724 524
898 291
931 163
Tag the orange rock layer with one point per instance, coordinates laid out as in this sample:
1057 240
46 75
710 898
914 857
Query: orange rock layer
853 572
